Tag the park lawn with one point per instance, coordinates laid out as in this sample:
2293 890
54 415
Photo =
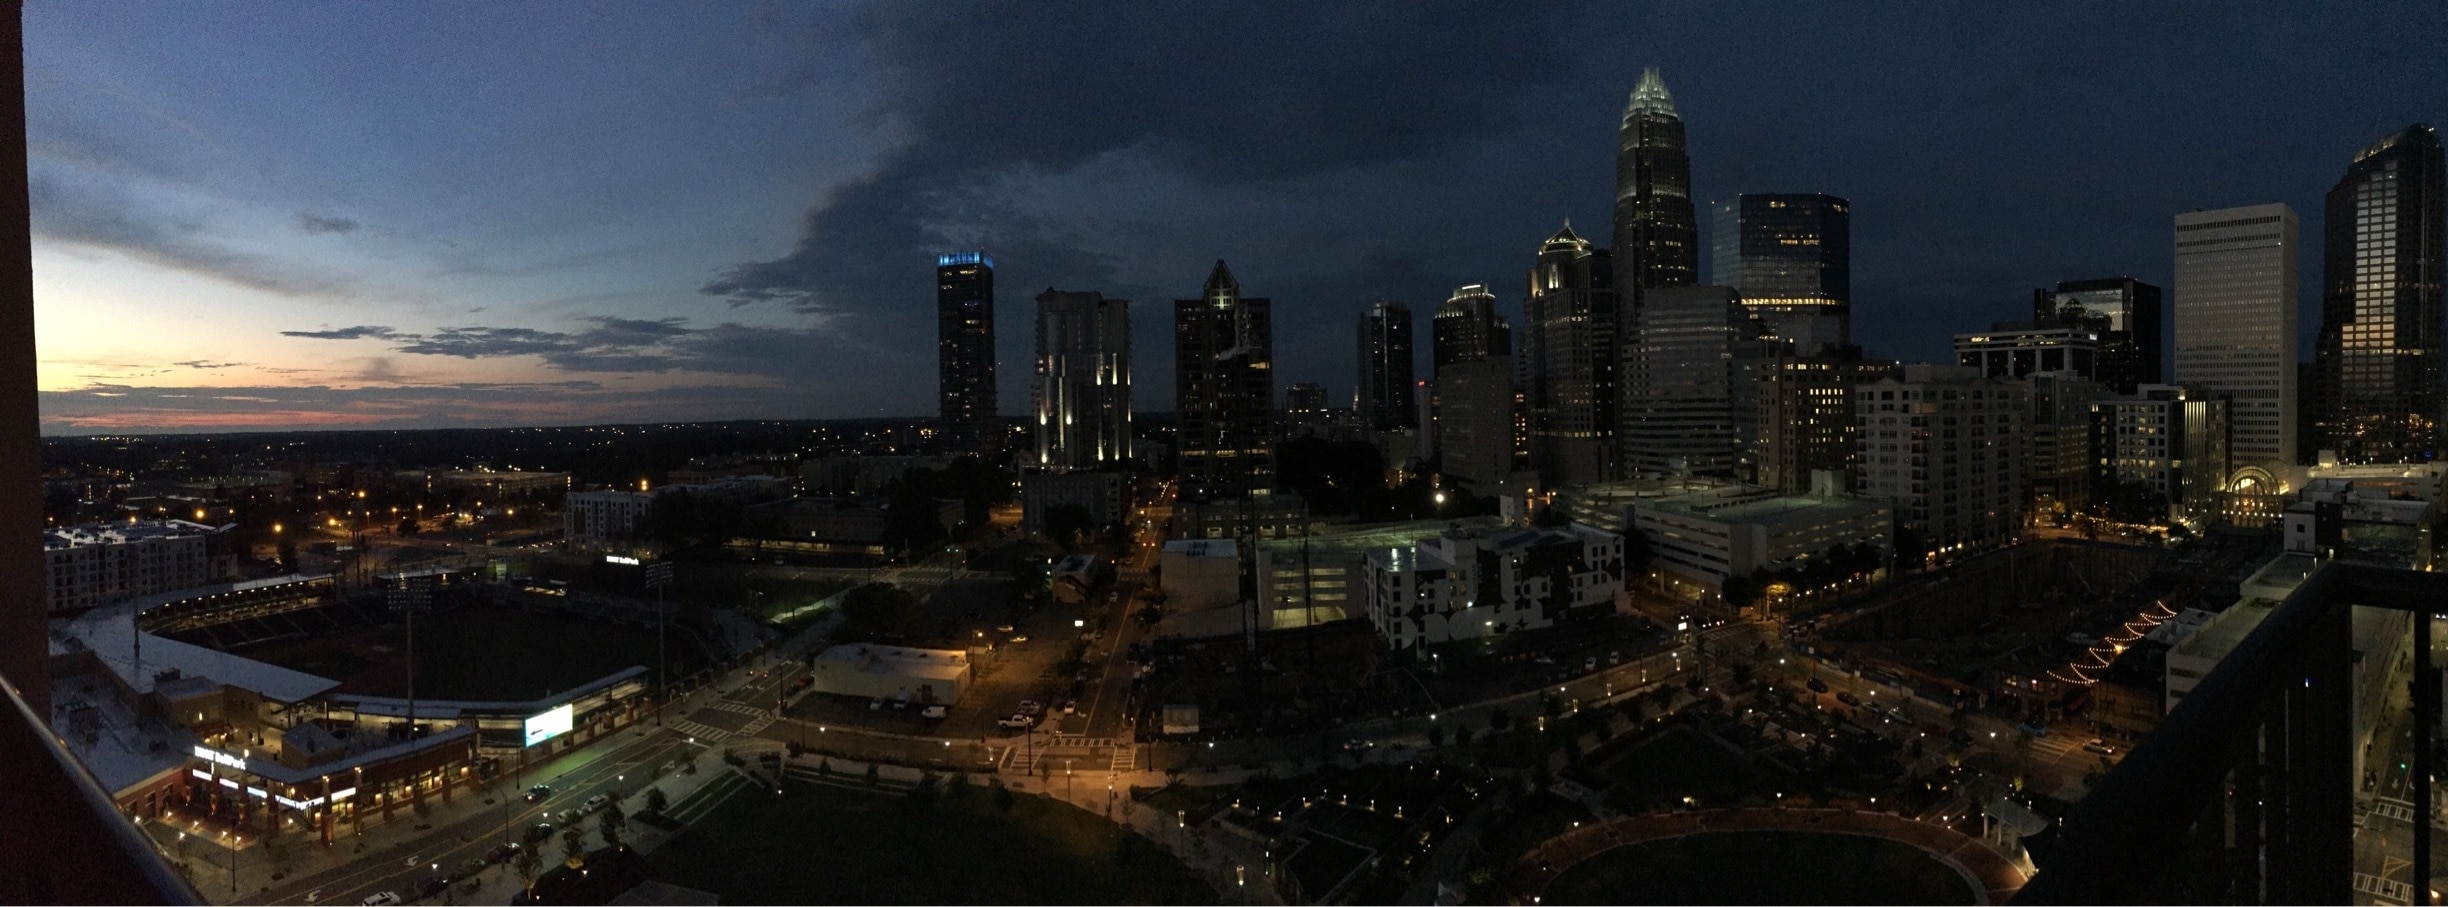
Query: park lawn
1677 763
504 655
1761 867
827 844
1530 821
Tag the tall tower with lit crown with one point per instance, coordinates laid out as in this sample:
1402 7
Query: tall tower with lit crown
965 346
1224 388
1657 237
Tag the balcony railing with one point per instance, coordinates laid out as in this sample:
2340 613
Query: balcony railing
62 841
2246 792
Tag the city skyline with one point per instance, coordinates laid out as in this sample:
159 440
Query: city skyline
536 249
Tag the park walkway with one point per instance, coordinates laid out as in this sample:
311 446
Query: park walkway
1988 872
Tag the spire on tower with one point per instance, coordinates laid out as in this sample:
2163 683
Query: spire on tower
1221 278
1650 96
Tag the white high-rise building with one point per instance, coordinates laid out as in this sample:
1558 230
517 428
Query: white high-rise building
1948 446
2236 331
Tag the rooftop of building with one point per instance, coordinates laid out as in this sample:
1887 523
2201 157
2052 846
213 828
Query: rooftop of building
143 660
2262 592
1368 536
1529 536
896 660
1203 548
93 719
1764 506
122 533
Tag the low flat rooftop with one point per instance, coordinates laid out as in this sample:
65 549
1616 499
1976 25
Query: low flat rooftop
110 633
1217 548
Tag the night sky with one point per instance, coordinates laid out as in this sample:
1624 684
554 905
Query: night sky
261 216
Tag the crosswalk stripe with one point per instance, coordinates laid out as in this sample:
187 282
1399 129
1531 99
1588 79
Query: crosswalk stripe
703 732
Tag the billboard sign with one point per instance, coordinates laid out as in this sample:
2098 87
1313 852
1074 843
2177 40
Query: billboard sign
548 725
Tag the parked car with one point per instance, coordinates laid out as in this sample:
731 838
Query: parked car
501 853
932 712
876 704
2100 746
1848 698
2036 730
1070 707
432 885
542 831
1816 685
1030 707
473 866
383 899
1016 723
538 792
597 802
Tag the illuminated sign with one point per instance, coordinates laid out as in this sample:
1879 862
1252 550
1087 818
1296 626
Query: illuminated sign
216 756
549 725
232 785
200 773
343 794
257 792
617 559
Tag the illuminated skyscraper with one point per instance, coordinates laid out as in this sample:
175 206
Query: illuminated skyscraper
2236 334
1791 258
2378 356
1569 352
965 346
1083 399
1657 241
1224 388
1385 400
1466 328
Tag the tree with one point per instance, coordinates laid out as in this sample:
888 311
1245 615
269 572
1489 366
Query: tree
526 862
277 850
671 519
573 843
1067 524
1436 735
609 823
656 802
878 611
912 520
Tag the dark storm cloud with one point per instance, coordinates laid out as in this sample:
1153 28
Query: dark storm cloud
315 223
1340 155
356 332
1224 95
635 346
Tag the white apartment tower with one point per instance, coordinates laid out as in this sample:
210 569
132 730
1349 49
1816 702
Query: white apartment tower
1949 448
2236 331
